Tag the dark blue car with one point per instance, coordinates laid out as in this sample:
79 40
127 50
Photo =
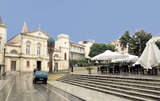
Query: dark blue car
40 76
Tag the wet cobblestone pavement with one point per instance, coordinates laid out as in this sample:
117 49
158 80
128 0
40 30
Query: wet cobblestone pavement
19 87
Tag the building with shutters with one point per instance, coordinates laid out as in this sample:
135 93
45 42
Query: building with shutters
118 46
77 51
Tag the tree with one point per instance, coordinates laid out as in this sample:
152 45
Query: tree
158 44
98 48
138 41
51 46
124 40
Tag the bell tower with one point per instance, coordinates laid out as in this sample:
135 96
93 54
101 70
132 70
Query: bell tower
3 33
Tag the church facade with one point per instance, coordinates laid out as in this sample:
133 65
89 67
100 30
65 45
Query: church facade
28 50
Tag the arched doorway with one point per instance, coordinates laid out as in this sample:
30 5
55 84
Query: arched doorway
39 65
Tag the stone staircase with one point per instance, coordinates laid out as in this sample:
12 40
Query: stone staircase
136 89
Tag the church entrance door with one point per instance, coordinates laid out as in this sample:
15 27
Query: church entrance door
13 65
39 65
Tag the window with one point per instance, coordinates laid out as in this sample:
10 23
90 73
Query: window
65 56
56 55
13 52
38 49
28 48
28 64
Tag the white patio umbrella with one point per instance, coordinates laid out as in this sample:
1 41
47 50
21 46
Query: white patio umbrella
109 55
130 58
119 60
150 56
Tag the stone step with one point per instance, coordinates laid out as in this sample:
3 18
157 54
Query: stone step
125 91
119 77
142 90
130 97
119 80
135 85
151 87
139 85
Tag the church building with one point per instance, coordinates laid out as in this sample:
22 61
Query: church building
28 50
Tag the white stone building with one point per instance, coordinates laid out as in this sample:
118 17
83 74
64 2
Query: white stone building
28 50
117 45
77 51
87 45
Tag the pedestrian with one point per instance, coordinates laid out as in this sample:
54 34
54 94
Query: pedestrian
71 67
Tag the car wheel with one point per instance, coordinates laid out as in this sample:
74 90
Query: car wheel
45 81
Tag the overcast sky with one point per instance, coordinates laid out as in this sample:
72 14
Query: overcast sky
99 20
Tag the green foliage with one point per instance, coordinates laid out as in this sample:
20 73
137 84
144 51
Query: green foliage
50 46
89 68
79 63
136 43
98 48
158 44
51 42
124 40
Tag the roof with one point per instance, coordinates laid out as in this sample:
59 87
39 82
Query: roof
77 44
36 31
10 41
24 27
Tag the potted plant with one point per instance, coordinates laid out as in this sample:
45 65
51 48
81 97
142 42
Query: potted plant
89 70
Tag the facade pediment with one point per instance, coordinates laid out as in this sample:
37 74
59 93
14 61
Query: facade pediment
38 33
15 40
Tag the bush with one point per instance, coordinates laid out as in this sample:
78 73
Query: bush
89 68
80 63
